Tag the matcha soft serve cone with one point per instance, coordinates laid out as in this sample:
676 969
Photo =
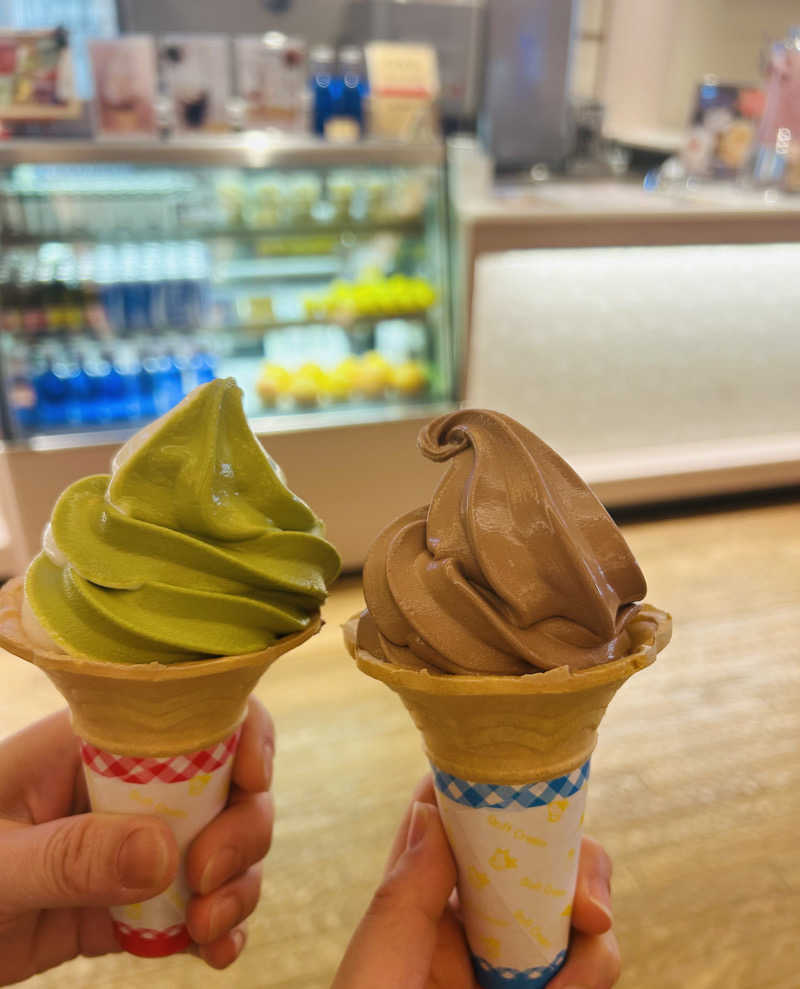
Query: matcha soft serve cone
193 546
506 614
162 593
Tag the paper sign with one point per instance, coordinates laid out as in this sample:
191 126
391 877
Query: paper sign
404 88
36 81
125 84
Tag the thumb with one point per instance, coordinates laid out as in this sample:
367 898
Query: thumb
394 944
86 860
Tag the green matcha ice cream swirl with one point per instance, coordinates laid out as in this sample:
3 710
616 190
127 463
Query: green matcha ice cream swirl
192 547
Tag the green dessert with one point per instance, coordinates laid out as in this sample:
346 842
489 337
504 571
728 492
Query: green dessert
192 547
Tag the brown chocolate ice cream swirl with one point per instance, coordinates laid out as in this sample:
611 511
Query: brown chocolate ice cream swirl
514 567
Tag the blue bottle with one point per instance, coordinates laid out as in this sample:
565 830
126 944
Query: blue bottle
136 304
114 391
174 381
203 366
354 86
167 382
78 393
177 294
147 382
99 408
325 87
128 369
182 363
21 392
50 385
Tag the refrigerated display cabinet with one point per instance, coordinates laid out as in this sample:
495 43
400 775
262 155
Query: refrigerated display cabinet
315 274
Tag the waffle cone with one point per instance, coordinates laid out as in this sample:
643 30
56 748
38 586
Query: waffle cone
147 709
514 729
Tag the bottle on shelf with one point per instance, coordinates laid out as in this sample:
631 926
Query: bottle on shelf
54 296
162 384
126 367
94 314
354 89
325 86
61 382
203 366
99 404
50 385
34 314
22 397
74 310
114 390
110 290
147 385
11 302
338 97
78 392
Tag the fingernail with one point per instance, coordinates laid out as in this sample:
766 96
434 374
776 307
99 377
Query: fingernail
142 859
599 895
239 938
222 865
269 756
223 915
420 819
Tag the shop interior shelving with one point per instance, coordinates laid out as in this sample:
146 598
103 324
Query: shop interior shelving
259 220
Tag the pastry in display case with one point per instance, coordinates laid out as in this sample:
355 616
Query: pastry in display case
315 274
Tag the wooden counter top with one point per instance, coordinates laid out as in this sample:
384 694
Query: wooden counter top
695 785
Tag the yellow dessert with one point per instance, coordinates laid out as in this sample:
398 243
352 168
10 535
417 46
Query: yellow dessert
409 378
373 375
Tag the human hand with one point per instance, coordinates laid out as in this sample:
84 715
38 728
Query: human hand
61 866
411 936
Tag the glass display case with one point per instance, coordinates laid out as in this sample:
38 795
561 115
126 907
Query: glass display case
315 274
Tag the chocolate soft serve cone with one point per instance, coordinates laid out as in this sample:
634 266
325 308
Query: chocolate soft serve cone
162 594
506 615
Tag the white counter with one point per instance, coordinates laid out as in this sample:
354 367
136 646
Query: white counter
650 337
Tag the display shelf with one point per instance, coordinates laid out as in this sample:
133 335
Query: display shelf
45 113
293 268
353 325
251 149
414 225
264 423
187 258
244 330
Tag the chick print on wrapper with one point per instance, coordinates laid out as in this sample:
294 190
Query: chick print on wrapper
491 948
477 878
502 860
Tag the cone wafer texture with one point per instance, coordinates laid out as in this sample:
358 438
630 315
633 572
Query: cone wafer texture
501 729
146 709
